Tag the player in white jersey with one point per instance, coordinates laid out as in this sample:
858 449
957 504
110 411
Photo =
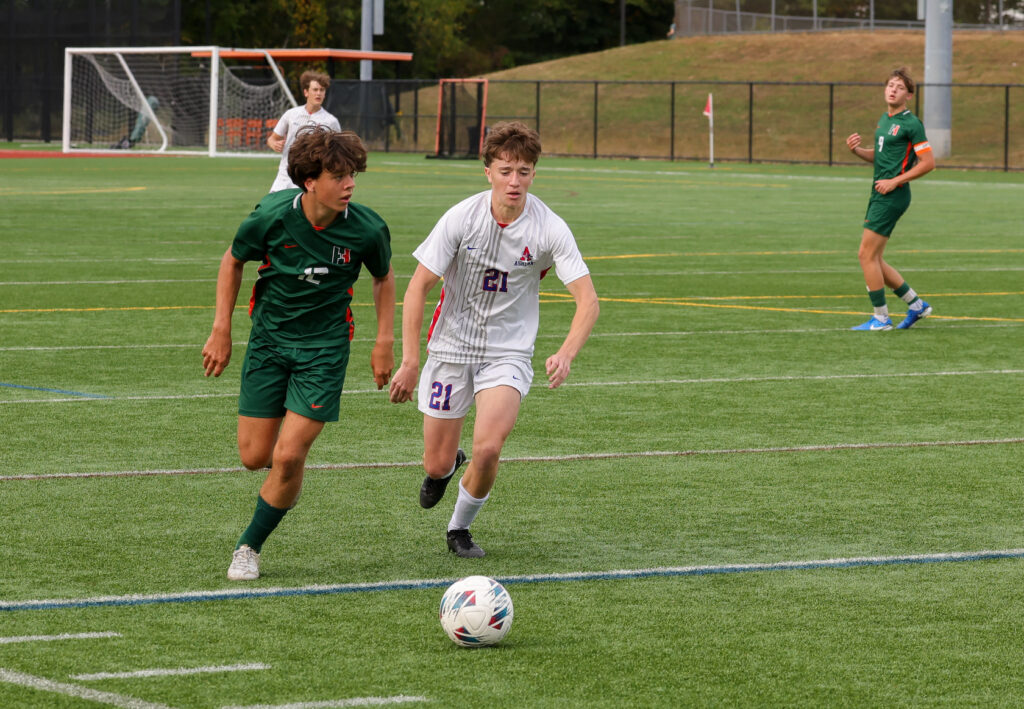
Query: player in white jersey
314 88
492 250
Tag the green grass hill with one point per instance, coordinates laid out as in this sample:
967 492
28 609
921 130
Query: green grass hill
978 57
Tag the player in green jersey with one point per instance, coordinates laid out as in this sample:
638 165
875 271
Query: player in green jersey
900 153
312 242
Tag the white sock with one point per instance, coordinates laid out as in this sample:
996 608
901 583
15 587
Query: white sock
882 313
466 509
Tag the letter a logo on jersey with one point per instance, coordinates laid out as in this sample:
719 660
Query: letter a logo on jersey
526 259
341 255
894 130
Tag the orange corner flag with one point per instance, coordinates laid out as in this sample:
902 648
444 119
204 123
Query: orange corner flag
707 107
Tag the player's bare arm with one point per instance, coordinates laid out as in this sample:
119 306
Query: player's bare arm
853 143
925 164
404 382
382 359
559 364
276 142
217 351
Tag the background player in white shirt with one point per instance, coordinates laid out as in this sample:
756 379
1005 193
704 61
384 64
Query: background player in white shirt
314 87
492 249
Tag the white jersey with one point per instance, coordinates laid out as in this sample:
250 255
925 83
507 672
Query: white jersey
490 303
291 122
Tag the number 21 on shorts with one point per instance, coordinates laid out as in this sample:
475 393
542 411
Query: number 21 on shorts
440 396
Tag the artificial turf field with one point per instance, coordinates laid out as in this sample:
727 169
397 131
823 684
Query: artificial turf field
734 500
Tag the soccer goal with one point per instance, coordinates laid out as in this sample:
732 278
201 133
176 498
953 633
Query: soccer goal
461 118
182 100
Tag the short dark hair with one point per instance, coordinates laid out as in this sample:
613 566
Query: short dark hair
319 149
513 140
903 74
318 76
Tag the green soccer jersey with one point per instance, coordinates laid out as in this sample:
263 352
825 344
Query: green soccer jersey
898 139
304 285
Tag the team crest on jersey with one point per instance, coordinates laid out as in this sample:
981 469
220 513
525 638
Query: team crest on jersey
340 255
894 129
526 259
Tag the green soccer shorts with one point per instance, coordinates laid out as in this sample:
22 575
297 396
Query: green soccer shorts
307 381
884 210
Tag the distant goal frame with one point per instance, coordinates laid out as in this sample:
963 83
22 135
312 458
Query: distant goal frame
439 136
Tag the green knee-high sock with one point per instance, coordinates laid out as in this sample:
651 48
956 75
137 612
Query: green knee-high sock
264 520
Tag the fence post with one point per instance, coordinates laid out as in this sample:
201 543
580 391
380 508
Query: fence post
750 121
831 119
672 122
1006 127
537 102
595 119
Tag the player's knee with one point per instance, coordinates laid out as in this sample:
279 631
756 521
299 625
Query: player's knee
487 453
255 458
437 466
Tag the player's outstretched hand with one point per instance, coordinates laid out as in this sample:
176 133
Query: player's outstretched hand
216 353
853 142
403 384
382 362
557 368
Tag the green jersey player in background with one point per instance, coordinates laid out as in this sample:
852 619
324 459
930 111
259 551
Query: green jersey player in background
311 242
900 153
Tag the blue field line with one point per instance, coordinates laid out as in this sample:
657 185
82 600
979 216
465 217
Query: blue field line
55 391
234 594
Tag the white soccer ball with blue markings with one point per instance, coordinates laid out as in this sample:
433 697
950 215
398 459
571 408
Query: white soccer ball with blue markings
476 611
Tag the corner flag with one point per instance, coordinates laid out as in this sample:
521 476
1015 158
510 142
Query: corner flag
709 111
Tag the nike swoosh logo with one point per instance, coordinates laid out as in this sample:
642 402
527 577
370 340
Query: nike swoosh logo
879 327
290 246
316 406
470 248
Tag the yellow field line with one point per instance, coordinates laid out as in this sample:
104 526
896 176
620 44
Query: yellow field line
105 190
691 304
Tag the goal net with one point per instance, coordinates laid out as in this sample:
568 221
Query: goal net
461 118
170 100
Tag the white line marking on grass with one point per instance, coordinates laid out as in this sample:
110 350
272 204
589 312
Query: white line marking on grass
178 671
62 636
792 378
74 690
331 703
824 448
637 382
235 594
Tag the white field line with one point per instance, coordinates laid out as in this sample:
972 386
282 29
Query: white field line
119 282
253 593
171 672
638 382
793 378
824 448
725 174
542 336
62 636
332 703
74 690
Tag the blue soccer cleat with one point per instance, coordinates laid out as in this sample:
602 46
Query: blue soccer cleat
914 315
875 324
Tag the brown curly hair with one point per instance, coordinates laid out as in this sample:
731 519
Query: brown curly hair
319 149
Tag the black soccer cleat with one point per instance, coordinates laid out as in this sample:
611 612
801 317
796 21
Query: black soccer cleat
432 490
461 542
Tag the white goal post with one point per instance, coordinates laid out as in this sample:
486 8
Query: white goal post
176 100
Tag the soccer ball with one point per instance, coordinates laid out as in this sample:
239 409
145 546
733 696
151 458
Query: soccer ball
476 611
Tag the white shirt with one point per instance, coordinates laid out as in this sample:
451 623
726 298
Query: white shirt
490 303
291 122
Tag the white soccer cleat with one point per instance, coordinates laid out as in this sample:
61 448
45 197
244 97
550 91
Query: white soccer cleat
245 564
